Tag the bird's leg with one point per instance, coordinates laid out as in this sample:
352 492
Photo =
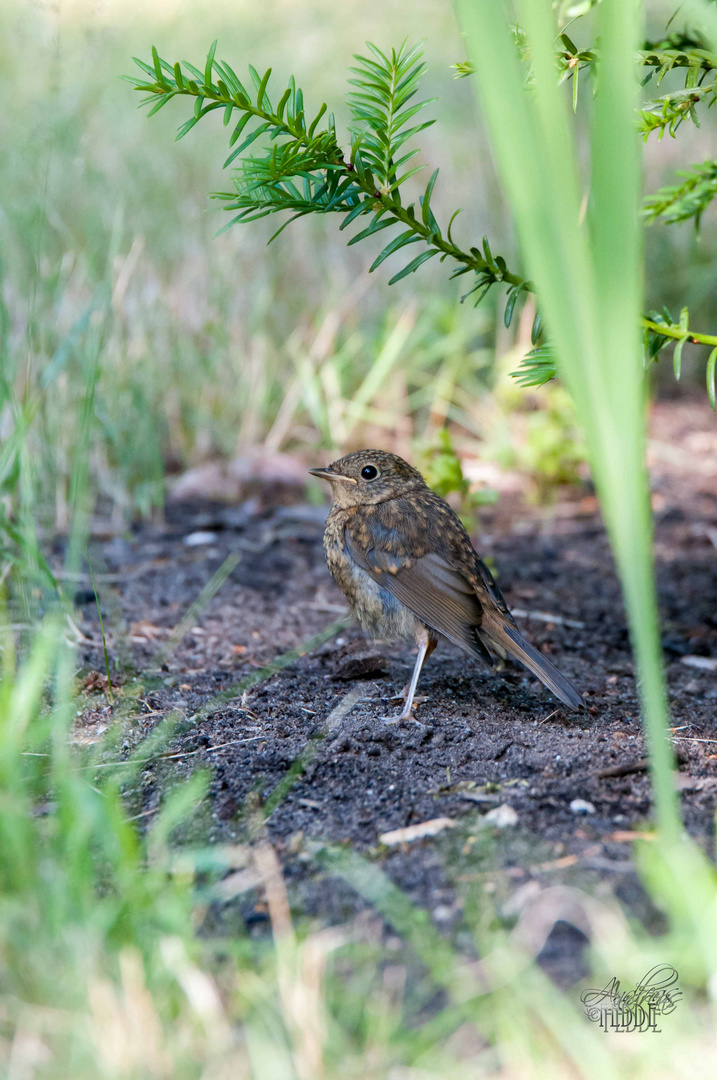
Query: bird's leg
426 645
403 695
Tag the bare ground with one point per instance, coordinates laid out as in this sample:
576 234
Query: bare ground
487 738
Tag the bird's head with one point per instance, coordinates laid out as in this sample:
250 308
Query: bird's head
369 476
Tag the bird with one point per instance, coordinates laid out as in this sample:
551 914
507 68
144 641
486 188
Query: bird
409 571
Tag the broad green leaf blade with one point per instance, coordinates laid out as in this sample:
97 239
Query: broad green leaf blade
589 283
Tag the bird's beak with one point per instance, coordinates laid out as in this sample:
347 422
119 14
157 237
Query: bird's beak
327 474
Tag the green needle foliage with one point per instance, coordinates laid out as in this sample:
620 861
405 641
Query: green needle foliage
380 108
306 172
686 200
302 167
676 51
537 367
667 113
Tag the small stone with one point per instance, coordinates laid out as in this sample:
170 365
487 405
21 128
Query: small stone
197 539
581 806
502 817
702 663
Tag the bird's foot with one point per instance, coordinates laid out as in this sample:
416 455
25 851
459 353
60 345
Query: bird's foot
405 716
403 695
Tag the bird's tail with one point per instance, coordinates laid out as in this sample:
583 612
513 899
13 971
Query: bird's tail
506 638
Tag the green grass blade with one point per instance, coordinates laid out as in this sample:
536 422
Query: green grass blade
589 283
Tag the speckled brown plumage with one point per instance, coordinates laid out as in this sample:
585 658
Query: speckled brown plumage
409 571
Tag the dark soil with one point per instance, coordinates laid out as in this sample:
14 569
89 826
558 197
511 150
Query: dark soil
487 738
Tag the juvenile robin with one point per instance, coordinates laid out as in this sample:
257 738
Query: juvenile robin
410 573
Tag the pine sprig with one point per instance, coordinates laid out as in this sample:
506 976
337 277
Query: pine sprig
537 367
667 113
663 113
659 329
687 200
302 169
167 81
380 108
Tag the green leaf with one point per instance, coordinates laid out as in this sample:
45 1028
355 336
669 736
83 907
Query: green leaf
209 64
360 208
244 120
400 241
145 67
158 68
677 358
510 305
160 103
301 213
185 127
282 103
688 199
711 367
537 367
374 227
247 142
406 176
232 80
454 215
413 266
261 92
536 328
426 199
194 71
315 121
307 173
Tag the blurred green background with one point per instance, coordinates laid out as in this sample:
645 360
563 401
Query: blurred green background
117 299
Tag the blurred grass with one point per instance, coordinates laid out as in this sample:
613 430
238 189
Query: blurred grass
121 954
113 286
113 280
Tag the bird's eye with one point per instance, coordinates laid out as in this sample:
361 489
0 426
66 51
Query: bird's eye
369 472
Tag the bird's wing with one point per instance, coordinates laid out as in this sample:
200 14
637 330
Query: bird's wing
487 581
463 603
430 588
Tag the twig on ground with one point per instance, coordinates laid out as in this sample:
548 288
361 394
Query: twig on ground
544 616
623 770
